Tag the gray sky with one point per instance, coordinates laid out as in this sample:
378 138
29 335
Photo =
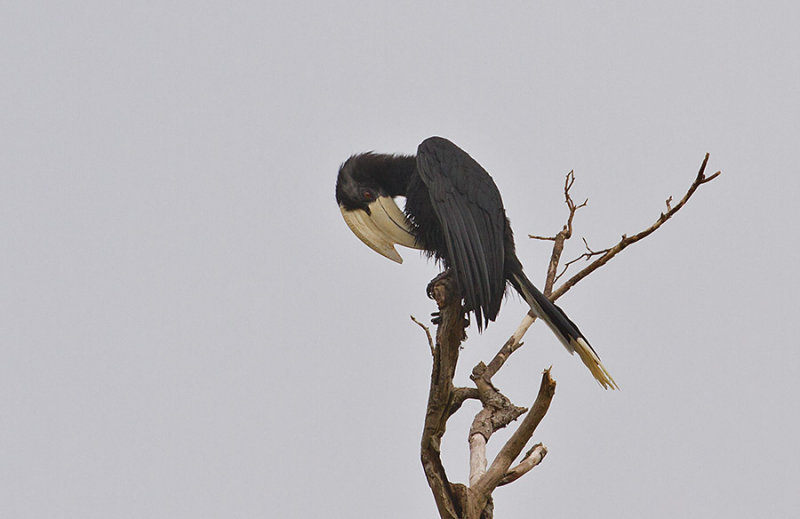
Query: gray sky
188 328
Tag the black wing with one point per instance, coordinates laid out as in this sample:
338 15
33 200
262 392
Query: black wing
470 211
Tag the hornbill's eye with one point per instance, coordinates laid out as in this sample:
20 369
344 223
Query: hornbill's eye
367 195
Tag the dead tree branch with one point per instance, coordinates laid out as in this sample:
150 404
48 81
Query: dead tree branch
427 333
607 254
585 256
515 341
454 500
457 501
482 490
511 345
563 235
449 334
497 412
533 457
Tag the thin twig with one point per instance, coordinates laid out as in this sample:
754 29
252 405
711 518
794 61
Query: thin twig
563 235
585 256
427 332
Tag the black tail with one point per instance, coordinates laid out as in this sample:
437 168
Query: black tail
563 328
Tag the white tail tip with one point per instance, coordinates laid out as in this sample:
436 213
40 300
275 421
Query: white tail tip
592 361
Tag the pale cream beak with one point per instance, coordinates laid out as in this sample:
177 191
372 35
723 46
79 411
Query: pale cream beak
386 227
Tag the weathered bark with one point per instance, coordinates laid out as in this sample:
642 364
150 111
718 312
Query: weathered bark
449 334
498 469
456 501
533 457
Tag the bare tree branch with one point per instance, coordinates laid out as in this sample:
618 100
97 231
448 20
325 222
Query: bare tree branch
449 334
455 500
460 394
511 345
427 332
477 457
586 255
515 341
497 412
533 457
497 470
699 180
563 235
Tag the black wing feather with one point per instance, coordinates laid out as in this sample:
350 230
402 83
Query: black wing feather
468 206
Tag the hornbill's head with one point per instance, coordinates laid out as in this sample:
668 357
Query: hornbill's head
368 207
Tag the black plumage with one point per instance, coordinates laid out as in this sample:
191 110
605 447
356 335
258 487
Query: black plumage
457 216
470 233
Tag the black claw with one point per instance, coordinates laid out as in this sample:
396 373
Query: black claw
441 276
436 317
429 290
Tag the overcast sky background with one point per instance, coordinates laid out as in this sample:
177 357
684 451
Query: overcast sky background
189 329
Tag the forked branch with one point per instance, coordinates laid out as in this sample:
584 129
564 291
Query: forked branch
515 341
456 501
449 334
563 235
533 457
607 254
499 469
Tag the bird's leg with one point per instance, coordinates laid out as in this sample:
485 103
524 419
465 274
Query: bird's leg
448 278
443 277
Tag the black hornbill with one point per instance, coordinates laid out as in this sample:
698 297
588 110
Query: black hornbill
454 213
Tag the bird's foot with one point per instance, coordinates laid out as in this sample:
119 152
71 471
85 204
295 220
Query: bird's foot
444 289
436 318
446 276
